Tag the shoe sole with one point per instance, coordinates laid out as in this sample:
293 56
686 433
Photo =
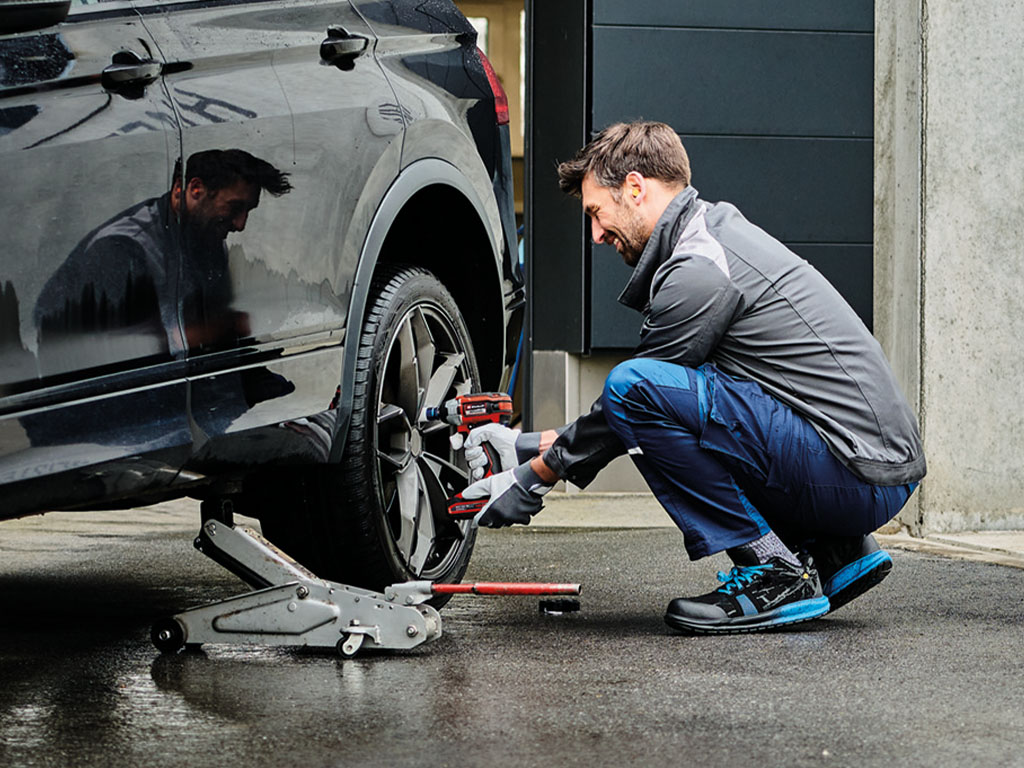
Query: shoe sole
793 613
858 577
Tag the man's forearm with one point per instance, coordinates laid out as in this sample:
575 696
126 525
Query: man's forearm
547 437
543 471
537 463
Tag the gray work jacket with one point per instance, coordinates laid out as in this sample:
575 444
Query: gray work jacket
713 287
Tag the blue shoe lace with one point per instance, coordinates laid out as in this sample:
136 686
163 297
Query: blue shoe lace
738 578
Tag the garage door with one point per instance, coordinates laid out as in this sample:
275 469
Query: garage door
774 103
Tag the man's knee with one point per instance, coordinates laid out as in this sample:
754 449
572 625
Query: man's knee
619 382
622 384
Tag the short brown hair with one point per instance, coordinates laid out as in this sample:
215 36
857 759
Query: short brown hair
651 149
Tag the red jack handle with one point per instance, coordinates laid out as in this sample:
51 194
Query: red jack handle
505 588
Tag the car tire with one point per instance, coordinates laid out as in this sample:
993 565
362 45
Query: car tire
380 517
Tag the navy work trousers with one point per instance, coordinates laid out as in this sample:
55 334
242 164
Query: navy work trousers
729 462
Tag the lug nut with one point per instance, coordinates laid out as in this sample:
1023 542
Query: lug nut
411 631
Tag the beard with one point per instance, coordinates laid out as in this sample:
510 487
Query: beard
632 238
204 234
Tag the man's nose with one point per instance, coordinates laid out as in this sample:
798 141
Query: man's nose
238 222
596 231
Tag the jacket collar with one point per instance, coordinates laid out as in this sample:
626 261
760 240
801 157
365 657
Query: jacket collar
660 245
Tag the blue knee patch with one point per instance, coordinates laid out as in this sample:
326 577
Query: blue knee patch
626 375
621 379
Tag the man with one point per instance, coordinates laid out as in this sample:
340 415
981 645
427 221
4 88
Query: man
120 286
757 406
120 281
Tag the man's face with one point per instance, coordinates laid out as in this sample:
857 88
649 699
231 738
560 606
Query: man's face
616 222
212 214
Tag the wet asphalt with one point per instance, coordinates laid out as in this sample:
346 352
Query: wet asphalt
924 670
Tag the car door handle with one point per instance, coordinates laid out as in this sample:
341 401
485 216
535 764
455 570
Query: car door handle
341 48
128 69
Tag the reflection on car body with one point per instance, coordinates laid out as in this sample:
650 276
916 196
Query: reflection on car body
120 285
205 342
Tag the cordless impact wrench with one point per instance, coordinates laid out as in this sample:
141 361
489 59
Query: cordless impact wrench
465 413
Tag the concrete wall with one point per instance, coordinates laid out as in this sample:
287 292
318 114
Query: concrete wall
949 161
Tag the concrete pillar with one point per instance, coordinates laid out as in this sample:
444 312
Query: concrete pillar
897 253
949 267
565 386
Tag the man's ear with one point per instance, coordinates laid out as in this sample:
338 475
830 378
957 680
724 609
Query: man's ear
176 194
195 189
635 187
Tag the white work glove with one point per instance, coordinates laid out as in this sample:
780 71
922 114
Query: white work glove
515 496
512 446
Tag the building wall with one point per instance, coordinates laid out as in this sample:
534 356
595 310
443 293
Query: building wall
949 202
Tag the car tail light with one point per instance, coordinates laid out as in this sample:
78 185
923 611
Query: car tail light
500 99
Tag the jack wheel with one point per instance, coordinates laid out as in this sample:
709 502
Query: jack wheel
168 635
348 645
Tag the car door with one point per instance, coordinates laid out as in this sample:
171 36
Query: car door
91 353
291 89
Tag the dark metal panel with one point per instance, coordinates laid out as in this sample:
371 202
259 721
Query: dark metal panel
798 190
555 234
835 15
737 82
613 325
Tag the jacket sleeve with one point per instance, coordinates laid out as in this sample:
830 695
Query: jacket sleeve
693 305
584 448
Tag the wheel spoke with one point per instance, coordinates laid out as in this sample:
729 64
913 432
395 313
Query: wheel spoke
444 469
397 459
409 492
425 352
442 479
441 381
408 370
416 538
435 426
394 434
387 412
425 529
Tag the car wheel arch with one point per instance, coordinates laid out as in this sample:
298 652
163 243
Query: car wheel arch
440 183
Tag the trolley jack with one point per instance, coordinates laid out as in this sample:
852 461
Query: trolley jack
291 606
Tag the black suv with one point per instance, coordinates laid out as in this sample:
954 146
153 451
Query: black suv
246 244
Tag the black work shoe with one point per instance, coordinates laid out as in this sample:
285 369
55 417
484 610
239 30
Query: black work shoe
849 566
753 598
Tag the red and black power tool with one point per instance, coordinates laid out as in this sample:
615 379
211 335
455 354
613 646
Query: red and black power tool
467 412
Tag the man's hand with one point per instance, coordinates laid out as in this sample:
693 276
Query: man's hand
515 497
502 440
512 446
